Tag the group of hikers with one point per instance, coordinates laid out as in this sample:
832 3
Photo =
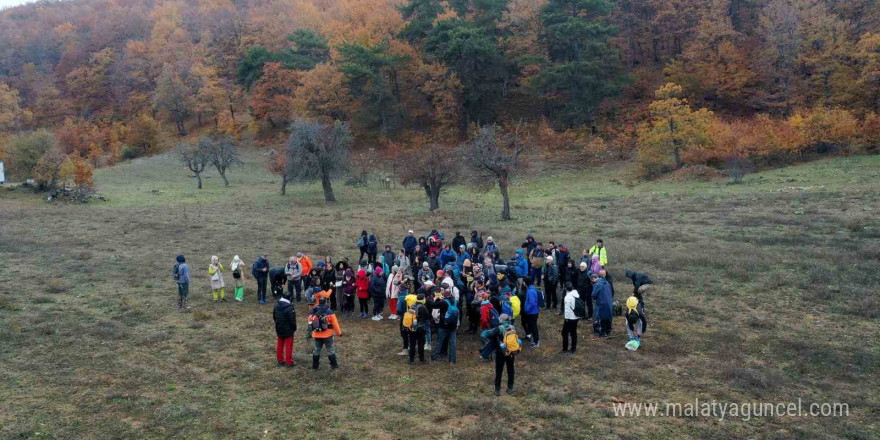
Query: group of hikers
431 286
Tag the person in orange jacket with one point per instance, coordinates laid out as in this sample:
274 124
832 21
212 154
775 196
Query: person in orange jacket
323 324
306 264
324 294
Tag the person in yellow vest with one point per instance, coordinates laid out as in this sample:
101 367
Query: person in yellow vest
599 249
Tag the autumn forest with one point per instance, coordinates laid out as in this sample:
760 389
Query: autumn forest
669 83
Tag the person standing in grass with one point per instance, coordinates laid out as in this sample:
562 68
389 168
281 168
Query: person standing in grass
285 326
349 291
260 271
294 273
502 337
417 332
362 284
409 244
237 268
180 273
377 292
599 250
530 314
392 290
603 308
306 264
362 244
585 284
551 283
570 324
323 323
446 329
372 248
406 300
218 286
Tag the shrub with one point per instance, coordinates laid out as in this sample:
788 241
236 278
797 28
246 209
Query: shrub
826 128
24 151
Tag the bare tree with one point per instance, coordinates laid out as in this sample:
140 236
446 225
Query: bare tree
221 152
433 167
496 154
194 158
318 151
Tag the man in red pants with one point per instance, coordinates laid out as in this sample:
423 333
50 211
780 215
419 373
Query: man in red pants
285 326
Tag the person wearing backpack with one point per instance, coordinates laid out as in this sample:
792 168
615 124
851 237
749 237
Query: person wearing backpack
362 285
551 282
218 286
602 296
180 274
372 249
407 298
363 239
446 329
284 316
530 314
415 322
237 268
294 273
323 324
508 345
260 271
573 310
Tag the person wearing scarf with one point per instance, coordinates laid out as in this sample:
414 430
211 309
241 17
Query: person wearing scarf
237 267
215 271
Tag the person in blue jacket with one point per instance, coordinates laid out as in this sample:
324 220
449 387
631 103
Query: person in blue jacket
530 314
260 271
521 267
409 245
447 256
603 308
462 255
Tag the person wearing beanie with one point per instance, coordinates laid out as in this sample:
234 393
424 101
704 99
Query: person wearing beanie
409 244
349 291
569 325
491 249
495 337
362 285
324 338
284 316
388 258
458 241
425 273
585 284
417 336
237 268
551 283
377 292
477 240
180 274
636 324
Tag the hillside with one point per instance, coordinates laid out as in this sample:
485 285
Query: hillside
766 293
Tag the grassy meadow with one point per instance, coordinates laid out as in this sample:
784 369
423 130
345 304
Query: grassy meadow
767 292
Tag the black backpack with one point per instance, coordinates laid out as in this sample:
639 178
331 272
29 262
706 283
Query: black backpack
176 272
580 308
319 322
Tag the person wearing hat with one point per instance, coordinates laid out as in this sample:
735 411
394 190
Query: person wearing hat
585 284
501 360
636 324
491 248
362 289
602 296
425 273
180 273
218 286
324 338
461 256
392 290
409 244
551 283
477 240
284 316
417 337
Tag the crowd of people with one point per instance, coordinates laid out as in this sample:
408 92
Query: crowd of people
431 286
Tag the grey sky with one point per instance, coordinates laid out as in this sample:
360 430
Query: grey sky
7 3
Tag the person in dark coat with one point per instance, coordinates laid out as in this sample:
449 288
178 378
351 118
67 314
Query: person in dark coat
602 297
530 244
362 244
477 240
372 249
551 283
285 326
642 283
277 279
409 245
458 241
571 274
377 292
260 271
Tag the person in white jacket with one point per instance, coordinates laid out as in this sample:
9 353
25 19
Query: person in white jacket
570 325
392 289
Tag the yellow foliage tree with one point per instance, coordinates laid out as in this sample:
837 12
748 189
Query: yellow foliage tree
674 131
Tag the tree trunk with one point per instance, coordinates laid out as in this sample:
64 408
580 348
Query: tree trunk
328 189
433 198
232 111
505 199
283 185
199 177
223 176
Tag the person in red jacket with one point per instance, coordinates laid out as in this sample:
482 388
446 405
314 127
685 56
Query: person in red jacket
362 283
324 338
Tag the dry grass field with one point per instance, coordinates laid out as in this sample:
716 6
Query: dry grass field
768 292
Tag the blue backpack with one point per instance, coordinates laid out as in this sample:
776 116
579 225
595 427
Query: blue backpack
493 318
506 307
451 316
